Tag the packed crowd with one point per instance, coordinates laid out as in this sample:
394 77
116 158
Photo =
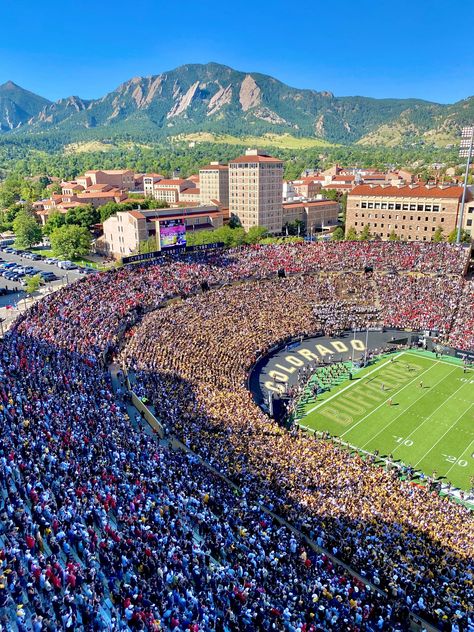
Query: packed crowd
88 317
366 515
102 528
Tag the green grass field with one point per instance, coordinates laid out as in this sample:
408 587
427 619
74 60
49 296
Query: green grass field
429 424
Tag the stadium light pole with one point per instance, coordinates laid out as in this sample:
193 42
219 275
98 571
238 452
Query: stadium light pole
465 151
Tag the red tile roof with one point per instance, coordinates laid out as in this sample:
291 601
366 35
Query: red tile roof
175 181
192 191
137 214
259 158
215 167
421 191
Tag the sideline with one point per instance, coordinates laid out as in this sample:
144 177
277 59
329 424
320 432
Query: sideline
353 383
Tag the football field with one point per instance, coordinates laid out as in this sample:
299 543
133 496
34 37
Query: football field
412 406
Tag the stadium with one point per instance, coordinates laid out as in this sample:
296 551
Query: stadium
250 439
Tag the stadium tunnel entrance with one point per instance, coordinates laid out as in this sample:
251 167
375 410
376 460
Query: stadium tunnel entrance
274 373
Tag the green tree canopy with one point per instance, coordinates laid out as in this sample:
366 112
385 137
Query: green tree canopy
55 220
465 236
437 235
70 241
148 245
33 283
393 236
337 234
365 233
255 234
26 228
351 234
85 216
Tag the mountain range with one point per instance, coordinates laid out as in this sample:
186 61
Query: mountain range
216 99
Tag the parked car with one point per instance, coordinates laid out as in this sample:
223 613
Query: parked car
67 265
51 261
49 276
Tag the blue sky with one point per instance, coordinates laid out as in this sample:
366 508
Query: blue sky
380 49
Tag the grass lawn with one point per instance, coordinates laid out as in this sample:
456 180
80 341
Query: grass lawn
429 424
282 141
81 261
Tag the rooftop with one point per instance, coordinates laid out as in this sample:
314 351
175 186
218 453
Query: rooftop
417 190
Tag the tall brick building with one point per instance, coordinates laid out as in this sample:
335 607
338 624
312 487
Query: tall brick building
256 190
214 183
413 212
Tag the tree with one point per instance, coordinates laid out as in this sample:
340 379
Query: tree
84 216
255 234
437 235
33 283
351 234
234 221
365 233
393 236
337 234
465 236
71 241
147 245
55 220
26 228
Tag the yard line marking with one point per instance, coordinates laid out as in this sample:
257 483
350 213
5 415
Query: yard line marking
377 368
434 411
403 412
418 355
442 437
386 400
459 457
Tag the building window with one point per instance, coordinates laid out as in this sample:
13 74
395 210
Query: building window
391 206
412 207
398 207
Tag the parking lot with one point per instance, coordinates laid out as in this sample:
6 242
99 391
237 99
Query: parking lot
17 300
64 276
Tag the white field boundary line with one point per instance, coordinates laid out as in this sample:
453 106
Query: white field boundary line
434 411
419 355
459 457
443 435
354 383
386 400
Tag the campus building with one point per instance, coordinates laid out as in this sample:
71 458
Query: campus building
214 183
124 231
256 190
413 212
316 215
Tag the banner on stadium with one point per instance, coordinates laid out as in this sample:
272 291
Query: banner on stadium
157 255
